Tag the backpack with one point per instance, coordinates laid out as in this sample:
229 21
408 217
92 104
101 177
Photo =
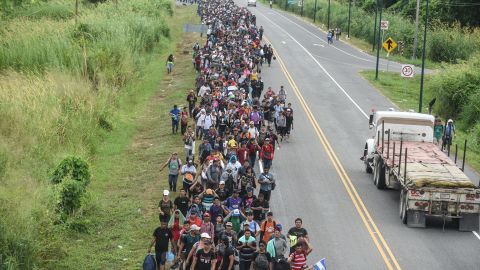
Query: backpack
149 263
261 261
170 166
264 227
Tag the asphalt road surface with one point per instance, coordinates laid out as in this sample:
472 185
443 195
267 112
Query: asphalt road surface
320 177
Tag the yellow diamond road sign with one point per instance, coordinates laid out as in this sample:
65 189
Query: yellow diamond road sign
389 45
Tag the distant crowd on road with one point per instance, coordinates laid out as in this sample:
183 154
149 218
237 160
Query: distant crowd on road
221 218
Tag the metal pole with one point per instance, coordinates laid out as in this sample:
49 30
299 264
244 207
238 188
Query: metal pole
378 43
378 139
464 155
286 4
388 144
383 133
405 166
400 158
375 29
448 150
328 16
423 59
393 162
456 152
301 11
349 15
415 38
315 11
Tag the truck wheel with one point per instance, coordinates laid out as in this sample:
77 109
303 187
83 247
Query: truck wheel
403 207
379 174
368 169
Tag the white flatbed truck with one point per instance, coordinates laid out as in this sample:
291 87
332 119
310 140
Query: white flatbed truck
401 155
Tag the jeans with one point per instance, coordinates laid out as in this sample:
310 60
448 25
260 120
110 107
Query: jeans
172 181
267 163
169 67
244 265
174 126
251 160
266 194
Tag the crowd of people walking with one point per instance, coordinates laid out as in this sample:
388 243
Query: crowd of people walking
222 218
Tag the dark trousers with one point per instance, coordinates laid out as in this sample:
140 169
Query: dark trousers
266 194
183 129
172 182
243 265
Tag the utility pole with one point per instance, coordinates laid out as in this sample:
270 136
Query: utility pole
301 11
415 38
328 17
379 41
315 11
423 59
349 15
76 11
375 29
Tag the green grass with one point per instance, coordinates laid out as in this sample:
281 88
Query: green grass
128 183
404 93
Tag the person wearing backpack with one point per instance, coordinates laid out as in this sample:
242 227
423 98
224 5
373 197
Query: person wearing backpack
174 165
267 183
448 135
228 256
267 153
261 259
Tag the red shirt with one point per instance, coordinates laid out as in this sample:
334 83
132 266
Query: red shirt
242 155
267 152
197 221
299 260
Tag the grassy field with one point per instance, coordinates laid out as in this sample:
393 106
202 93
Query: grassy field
128 183
404 93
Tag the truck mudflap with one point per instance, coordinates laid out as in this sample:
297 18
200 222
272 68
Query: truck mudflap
416 219
468 223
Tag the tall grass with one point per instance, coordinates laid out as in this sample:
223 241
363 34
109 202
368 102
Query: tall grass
60 85
444 43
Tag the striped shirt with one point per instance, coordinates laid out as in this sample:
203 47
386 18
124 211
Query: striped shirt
299 260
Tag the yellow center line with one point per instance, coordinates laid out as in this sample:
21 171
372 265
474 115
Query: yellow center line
372 228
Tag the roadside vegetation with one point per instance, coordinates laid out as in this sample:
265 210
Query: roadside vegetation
453 49
73 93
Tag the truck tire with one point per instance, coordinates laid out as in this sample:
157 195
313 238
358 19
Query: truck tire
403 207
368 169
379 174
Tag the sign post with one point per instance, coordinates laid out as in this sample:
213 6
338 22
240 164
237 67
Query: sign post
407 71
384 25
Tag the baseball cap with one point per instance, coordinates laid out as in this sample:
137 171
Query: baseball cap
236 213
166 192
194 227
205 235
222 182
228 224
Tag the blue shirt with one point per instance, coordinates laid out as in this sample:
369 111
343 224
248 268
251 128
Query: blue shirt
175 113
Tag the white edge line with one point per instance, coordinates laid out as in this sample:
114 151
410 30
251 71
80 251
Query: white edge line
320 65
314 35
476 234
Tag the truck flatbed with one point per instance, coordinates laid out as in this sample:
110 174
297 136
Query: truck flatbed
427 165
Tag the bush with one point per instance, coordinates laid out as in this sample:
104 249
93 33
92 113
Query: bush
449 45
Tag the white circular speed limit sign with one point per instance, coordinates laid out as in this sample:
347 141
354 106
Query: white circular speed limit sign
407 71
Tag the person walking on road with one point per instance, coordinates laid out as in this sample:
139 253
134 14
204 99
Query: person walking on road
296 234
338 32
175 114
267 228
162 237
266 154
448 135
246 247
170 64
267 183
174 164
438 130
329 37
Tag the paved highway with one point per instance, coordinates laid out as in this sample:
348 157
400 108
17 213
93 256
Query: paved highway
321 179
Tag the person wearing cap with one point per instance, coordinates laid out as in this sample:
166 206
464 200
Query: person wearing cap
229 180
162 236
186 244
266 153
448 134
174 164
165 207
189 143
229 233
222 192
194 219
205 258
199 127
199 245
267 183
207 225
217 208
236 217
228 254
253 148
277 246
